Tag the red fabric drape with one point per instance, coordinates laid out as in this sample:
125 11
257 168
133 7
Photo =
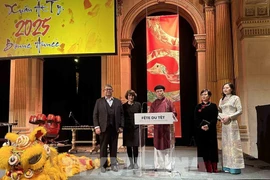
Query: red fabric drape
163 68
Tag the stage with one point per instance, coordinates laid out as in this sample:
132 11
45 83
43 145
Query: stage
185 168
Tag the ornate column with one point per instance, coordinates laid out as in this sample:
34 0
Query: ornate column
235 15
111 66
224 56
126 47
201 76
26 88
110 69
211 71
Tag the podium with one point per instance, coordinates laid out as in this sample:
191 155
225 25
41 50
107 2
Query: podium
164 140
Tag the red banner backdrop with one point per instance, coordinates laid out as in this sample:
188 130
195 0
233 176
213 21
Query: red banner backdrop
163 61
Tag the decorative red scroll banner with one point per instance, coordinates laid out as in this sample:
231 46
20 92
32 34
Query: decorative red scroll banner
163 61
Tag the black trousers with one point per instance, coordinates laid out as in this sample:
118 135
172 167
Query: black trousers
109 137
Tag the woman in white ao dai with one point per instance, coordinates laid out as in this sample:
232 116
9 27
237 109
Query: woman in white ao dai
229 109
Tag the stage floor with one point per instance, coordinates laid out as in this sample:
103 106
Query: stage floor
185 168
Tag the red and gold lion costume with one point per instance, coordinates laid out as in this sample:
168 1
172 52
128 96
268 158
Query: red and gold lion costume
27 157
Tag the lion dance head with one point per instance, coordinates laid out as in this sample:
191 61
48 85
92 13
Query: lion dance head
27 157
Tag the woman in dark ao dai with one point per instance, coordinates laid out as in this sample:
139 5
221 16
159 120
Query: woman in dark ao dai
206 133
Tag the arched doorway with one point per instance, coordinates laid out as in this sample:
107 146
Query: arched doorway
188 72
192 25
186 10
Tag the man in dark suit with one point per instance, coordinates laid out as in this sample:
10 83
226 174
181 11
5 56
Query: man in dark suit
108 120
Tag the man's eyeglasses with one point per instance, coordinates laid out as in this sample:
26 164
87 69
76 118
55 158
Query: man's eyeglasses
107 89
204 94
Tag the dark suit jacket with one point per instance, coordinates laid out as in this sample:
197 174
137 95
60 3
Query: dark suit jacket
100 114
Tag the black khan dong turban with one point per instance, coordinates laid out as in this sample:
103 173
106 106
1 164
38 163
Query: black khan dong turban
159 87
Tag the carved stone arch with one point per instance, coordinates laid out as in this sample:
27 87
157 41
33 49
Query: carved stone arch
185 8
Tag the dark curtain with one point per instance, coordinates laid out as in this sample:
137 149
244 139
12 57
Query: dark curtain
188 81
138 68
59 90
188 73
4 97
263 132
89 91
4 89
138 63
60 95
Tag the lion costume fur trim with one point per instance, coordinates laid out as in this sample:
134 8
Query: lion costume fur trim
27 157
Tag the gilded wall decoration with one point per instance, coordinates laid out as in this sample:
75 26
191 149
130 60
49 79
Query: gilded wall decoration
262 10
119 7
254 27
256 1
250 11
256 8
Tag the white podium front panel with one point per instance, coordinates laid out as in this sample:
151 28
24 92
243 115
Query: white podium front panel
165 119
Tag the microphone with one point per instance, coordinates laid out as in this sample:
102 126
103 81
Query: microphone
75 120
142 106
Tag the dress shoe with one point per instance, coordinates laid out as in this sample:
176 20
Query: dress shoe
208 166
235 171
103 169
136 166
115 168
225 169
214 167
